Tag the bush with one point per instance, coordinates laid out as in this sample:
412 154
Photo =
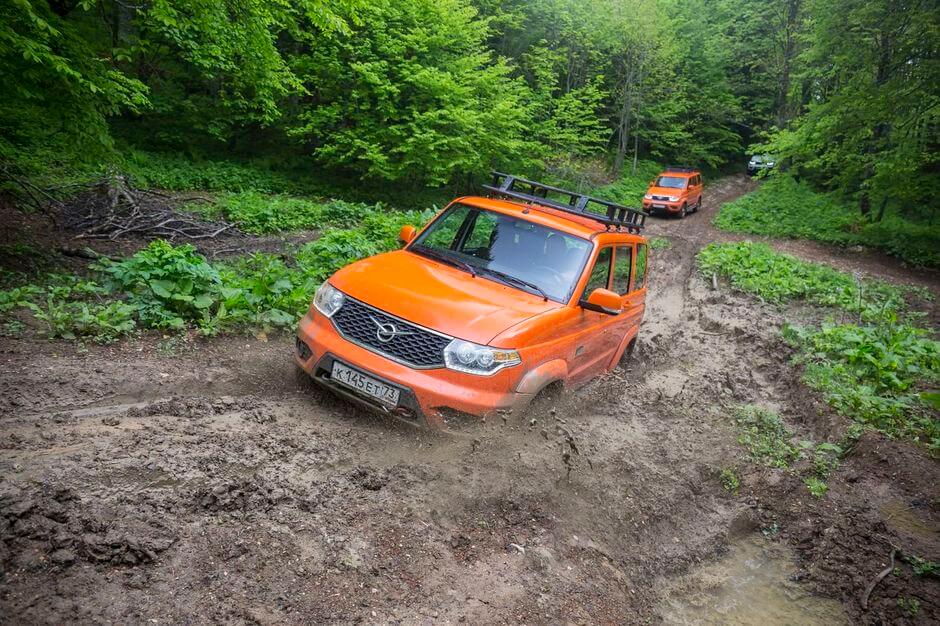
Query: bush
876 375
755 268
630 188
261 213
783 207
167 286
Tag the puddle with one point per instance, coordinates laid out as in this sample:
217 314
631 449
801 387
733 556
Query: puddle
750 585
902 518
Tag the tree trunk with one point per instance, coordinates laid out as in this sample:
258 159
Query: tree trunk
623 124
789 50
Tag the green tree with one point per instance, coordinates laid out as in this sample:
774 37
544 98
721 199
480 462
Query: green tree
413 95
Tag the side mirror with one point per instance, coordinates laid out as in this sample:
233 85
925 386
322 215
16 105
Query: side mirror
406 234
602 301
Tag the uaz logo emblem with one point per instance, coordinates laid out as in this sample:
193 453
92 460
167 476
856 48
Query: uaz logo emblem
386 331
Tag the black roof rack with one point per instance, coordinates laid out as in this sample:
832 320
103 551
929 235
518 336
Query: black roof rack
684 170
578 204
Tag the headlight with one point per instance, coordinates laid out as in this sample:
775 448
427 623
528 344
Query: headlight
648 196
328 299
771 164
673 198
471 358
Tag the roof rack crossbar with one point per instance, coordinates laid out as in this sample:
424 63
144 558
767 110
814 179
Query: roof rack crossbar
534 192
679 168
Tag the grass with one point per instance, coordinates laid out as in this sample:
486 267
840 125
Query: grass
783 207
817 487
757 269
660 243
262 213
765 436
730 480
629 188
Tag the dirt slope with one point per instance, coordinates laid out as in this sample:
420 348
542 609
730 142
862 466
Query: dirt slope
210 485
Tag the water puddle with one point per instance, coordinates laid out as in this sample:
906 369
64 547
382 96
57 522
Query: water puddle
902 518
750 585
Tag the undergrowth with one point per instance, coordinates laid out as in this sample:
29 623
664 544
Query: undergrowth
261 213
783 207
170 287
882 371
756 268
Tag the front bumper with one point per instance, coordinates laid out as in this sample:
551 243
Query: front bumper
663 206
429 397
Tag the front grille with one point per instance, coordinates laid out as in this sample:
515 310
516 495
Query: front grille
361 323
666 198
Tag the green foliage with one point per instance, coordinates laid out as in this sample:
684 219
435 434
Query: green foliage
910 606
660 243
783 207
168 286
260 213
178 173
756 268
817 487
399 100
729 480
765 436
629 188
923 567
874 374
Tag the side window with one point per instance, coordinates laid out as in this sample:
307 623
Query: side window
641 255
623 261
600 273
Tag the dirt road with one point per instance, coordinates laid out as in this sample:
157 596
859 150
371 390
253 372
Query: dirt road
161 481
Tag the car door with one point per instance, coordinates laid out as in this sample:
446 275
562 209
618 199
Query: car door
591 348
699 186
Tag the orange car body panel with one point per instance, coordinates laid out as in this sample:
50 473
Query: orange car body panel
556 341
689 195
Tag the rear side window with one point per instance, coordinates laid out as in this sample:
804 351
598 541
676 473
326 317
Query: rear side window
623 261
600 273
641 255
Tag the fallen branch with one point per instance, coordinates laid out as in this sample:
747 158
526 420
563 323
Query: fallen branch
878 579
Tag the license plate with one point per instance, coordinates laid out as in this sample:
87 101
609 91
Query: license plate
659 206
364 384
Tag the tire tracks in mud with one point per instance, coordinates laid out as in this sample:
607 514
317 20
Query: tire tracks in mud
269 501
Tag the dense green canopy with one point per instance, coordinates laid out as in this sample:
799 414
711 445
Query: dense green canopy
844 92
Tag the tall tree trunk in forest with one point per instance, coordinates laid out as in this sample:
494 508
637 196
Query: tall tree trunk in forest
624 121
789 51
880 129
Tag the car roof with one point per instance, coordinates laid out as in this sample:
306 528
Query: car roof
546 216
678 174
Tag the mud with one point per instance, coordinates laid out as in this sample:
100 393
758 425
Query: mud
205 483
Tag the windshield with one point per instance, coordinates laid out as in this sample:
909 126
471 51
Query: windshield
673 182
512 251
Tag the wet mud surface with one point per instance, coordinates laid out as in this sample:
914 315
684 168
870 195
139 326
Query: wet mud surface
208 484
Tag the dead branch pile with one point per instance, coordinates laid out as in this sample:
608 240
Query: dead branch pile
111 208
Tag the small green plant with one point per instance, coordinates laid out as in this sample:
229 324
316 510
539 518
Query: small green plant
771 531
816 486
909 606
765 436
923 567
729 480
660 243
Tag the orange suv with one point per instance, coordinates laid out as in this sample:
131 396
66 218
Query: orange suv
495 300
678 190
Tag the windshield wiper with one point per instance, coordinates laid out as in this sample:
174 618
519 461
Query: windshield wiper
445 258
509 278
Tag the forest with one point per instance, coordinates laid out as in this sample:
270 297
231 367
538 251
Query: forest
428 93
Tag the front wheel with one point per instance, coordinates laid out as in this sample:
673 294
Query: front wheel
684 211
698 207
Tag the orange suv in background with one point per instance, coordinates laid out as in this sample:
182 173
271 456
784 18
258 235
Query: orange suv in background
495 300
678 190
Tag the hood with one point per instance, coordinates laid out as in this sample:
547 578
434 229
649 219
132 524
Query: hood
438 296
665 191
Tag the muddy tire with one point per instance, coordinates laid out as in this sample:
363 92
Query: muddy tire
698 207
627 355
684 211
